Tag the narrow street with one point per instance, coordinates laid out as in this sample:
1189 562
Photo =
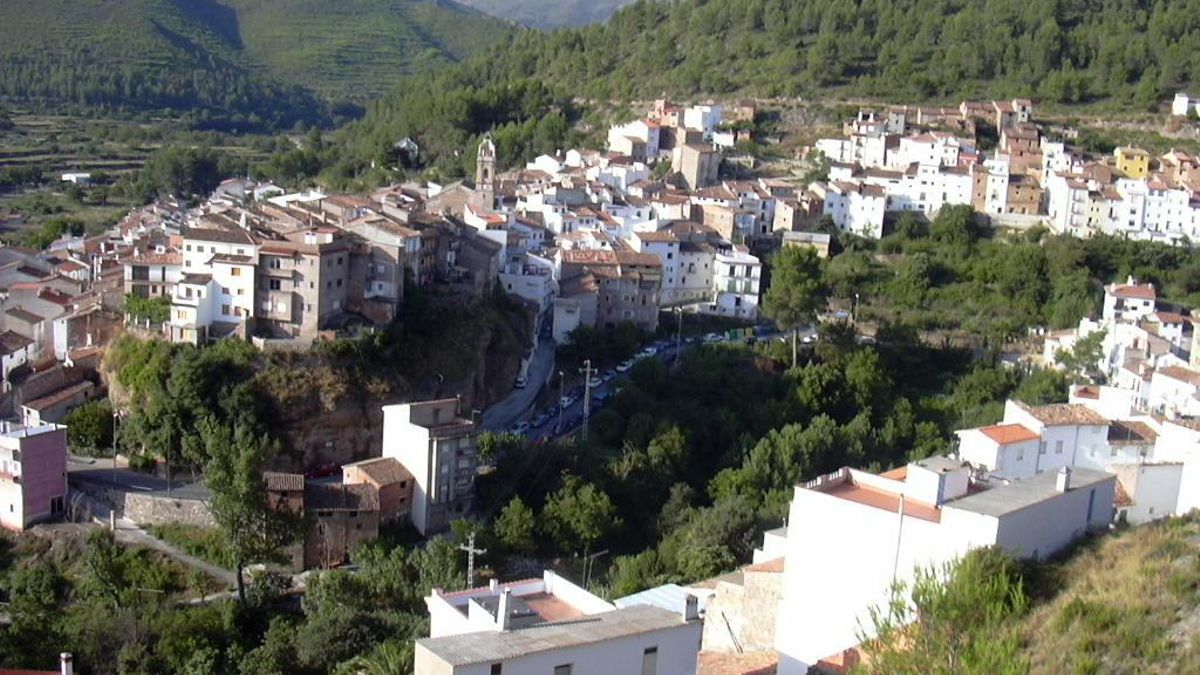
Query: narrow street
505 413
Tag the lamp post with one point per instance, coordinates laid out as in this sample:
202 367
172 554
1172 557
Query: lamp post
558 427
679 333
116 415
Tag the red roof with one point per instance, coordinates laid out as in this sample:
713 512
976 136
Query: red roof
1136 291
1005 434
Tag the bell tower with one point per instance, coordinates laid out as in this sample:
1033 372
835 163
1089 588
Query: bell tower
485 173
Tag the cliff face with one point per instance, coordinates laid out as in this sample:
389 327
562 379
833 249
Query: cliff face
325 404
329 410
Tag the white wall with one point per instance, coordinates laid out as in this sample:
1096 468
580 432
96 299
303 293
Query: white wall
840 560
677 649
1049 526
1154 489
409 444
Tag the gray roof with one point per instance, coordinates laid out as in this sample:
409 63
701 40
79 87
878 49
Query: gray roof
223 236
668 596
1005 499
489 647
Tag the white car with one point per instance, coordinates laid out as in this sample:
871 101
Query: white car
712 338
648 352
624 366
595 382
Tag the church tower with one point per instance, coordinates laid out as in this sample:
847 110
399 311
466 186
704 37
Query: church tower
485 173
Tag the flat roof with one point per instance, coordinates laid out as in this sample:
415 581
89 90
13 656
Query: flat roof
492 646
882 499
1004 499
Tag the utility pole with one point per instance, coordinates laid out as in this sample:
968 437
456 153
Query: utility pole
471 551
116 416
587 393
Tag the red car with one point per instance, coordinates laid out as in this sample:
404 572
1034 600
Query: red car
323 470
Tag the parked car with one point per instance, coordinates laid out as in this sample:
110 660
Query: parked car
567 401
713 337
595 382
608 375
519 383
323 470
540 420
520 428
648 352
624 366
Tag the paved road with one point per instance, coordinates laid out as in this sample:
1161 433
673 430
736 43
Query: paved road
505 413
572 416
100 471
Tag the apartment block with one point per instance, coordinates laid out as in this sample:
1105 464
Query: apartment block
438 446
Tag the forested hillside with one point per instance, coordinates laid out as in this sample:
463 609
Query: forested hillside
262 62
550 13
1125 53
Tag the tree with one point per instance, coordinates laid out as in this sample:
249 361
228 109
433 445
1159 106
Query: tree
1083 360
578 515
393 657
796 293
516 525
255 530
90 427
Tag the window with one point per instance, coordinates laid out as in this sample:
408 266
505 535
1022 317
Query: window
274 284
650 661
225 310
1042 447
241 291
564 669
339 283
1020 454
235 271
225 291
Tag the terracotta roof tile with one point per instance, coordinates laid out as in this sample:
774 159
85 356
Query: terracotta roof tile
1005 434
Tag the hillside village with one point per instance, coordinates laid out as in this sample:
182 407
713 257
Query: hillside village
588 239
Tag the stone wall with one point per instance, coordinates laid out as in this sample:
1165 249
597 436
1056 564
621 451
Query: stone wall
149 508
740 617
156 509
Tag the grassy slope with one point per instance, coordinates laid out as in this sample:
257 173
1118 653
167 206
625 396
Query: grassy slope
550 13
1126 604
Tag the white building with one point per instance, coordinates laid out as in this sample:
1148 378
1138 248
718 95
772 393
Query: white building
549 626
737 277
1128 302
935 148
438 447
1184 105
875 530
215 295
703 118
856 208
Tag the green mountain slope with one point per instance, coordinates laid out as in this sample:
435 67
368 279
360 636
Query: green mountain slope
1130 53
357 49
265 58
550 13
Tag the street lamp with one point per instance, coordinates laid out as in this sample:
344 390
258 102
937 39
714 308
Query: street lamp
558 427
679 333
116 415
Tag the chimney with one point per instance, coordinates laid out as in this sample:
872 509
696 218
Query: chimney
691 607
502 609
1063 481
65 662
